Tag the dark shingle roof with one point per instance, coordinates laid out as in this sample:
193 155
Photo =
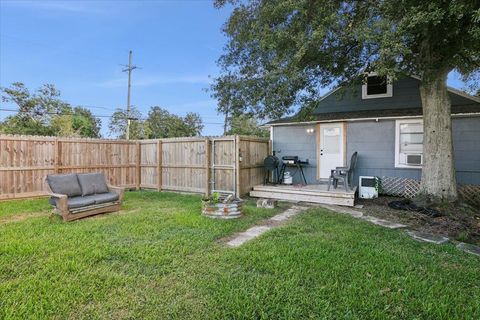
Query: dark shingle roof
466 109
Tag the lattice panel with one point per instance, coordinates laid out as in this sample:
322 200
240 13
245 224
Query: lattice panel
470 194
408 188
400 187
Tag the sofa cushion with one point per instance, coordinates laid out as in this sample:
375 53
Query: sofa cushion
78 202
104 197
92 183
64 184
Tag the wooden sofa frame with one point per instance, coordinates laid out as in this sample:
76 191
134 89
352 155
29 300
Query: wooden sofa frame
61 207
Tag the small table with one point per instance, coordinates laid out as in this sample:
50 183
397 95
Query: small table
299 165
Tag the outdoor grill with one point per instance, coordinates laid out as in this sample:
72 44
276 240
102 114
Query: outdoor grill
292 161
271 165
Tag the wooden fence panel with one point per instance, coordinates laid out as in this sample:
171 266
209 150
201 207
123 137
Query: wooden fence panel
252 153
148 164
184 164
232 163
112 158
24 161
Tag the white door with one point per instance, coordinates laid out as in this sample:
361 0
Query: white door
331 148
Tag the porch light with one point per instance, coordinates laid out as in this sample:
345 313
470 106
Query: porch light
310 130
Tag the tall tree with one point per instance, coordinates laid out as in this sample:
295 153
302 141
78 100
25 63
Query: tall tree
76 122
45 113
163 124
194 123
139 129
247 125
85 123
281 52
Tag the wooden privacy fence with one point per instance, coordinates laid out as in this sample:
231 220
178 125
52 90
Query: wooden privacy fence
201 165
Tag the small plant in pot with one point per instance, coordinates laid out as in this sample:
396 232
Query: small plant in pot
214 198
215 206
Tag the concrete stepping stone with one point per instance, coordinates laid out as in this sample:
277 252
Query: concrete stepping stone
256 231
287 214
345 210
247 235
383 223
427 237
469 248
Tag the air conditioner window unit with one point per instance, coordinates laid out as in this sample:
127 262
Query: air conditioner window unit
414 159
367 187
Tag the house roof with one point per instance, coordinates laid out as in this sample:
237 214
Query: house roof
382 113
336 105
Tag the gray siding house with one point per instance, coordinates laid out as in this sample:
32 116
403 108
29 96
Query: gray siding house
382 121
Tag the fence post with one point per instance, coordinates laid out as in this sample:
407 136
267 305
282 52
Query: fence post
208 160
137 165
57 156
237 166
159 164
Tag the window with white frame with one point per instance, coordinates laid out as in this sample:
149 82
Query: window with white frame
409 143
375 86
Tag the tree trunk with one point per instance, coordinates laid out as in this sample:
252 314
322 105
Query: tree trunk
438 173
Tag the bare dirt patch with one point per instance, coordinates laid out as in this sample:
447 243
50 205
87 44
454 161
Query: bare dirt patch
459 222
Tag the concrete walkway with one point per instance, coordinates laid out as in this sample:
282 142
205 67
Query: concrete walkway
271 223
417 235
279 219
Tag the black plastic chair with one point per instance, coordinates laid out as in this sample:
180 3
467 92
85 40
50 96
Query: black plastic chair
343 173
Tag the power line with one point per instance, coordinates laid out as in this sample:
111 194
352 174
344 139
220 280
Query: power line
96 115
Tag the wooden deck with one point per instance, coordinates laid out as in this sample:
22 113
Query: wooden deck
316 193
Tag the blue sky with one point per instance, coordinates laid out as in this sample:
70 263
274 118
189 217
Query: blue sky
79 47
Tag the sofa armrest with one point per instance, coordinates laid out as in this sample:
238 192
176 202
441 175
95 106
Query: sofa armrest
60 201
118 190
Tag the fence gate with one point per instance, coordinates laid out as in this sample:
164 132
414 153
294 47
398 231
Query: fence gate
223 165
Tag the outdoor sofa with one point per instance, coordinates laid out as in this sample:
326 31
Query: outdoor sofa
80 195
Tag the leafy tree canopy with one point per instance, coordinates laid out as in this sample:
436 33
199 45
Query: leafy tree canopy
246 125
281 52
163 124
44 113
159 124
138 128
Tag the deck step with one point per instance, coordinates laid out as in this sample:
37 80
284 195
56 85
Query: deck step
331 193
318 197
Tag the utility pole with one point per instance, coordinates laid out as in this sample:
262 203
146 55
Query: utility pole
129 69
225 124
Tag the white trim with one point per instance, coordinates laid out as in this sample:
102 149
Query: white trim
343 149
397 163
329 93
458 115
463 94
365 94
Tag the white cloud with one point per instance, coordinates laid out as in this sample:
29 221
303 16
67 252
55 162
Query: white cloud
145 81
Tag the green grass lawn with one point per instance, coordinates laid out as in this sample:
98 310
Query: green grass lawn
160 259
